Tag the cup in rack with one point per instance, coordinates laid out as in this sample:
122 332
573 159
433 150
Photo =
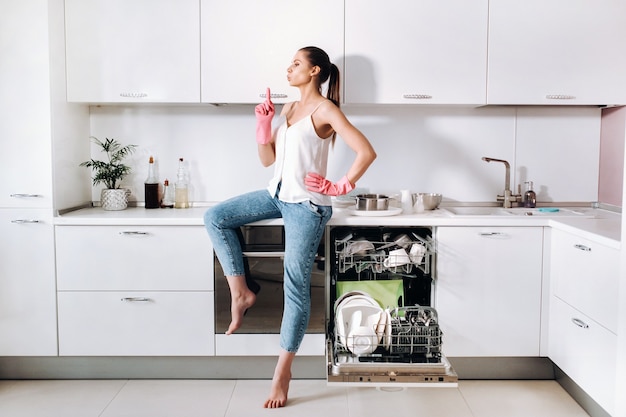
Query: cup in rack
397 257
417 252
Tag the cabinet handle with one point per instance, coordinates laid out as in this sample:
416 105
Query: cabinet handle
560 97
133 95
133 233
25 221
136 300
582 247
274 95
24 195
417 96
580 323
492 234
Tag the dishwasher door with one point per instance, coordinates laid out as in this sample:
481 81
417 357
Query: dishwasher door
381 328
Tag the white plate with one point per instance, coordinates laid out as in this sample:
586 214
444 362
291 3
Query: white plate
344 319
376 213
387 338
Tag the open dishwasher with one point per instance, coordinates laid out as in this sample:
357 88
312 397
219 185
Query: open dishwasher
381 326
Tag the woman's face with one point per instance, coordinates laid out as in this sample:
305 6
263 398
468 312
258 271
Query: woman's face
300 71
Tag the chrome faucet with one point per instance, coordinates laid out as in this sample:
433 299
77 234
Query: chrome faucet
508 197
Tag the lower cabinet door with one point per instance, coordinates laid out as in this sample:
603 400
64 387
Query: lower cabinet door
585 351
136 323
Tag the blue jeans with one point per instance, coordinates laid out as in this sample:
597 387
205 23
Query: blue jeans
304 225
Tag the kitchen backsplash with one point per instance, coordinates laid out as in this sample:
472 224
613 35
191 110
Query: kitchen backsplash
419 148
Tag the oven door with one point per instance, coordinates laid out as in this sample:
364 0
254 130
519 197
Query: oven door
381 327
263 248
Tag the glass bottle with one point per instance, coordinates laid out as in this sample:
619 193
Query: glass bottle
151 187
181 187
168 198
530 198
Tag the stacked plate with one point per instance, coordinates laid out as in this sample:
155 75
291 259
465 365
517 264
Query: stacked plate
361 325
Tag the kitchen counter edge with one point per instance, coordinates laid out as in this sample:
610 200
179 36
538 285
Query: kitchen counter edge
604 228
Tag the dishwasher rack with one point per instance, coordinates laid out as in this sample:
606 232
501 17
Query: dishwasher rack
412 335
380 257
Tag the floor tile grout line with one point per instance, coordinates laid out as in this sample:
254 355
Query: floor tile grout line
465 400
230 399
114 397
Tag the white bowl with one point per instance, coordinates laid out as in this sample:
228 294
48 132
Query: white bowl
362 340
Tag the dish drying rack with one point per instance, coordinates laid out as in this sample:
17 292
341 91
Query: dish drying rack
413 335
374 259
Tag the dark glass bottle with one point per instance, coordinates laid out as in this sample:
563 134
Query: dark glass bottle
151 187
530 198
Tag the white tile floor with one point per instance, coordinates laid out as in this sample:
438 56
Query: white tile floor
243 398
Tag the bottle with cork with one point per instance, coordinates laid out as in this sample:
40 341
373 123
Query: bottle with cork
151 187
181 187
168 198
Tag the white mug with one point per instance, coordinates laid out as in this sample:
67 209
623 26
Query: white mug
396 257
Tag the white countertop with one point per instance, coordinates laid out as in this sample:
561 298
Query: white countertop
604 227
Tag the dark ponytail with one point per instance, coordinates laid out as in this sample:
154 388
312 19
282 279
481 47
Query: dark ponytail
328 71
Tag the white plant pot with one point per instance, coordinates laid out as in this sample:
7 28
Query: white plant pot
116 199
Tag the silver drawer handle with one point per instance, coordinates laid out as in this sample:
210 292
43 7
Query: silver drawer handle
492 234
133 95
24 195
560 97
417 96
580 323
25 221
136 299
272 95
133 233
582 247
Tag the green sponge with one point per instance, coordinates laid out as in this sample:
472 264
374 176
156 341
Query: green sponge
548 209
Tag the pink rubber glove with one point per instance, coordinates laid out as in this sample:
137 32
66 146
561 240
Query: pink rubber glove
264 114
317 183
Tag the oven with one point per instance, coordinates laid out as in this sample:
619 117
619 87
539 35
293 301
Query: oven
382 327
264 247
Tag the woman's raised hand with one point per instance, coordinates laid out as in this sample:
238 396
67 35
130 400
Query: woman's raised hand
264 114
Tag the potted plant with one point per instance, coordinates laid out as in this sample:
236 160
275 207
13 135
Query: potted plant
111 172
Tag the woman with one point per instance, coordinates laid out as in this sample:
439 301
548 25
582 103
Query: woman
298 192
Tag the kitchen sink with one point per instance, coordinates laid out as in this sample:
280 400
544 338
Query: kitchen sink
477 211
520 211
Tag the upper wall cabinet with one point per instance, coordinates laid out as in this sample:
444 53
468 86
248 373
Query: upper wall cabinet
557 52
416 51
247 45
133 50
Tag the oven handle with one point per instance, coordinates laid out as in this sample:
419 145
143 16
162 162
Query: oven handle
275 254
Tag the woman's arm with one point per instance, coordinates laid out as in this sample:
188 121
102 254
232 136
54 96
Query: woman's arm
267 153
365 153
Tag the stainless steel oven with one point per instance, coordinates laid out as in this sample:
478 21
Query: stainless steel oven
382 327
264 249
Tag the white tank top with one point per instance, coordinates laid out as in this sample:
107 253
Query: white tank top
299 150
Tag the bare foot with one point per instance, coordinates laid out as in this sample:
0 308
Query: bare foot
278 393
239 303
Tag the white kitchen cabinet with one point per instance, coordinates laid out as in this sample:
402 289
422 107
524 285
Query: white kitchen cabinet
136 323
27 288
247 45
134 258
585 351
488 290
584 281
25 131
556 52
135 290
133 51
416 51
585 275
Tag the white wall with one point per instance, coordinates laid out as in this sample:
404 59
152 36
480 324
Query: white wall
423 149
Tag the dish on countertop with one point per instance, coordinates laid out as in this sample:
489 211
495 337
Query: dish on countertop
377 213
